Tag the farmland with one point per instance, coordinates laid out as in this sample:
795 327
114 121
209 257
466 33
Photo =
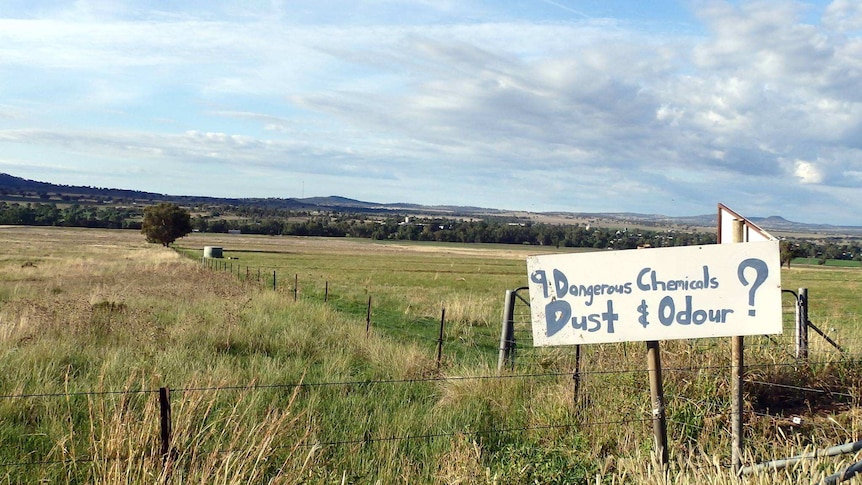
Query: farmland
292 386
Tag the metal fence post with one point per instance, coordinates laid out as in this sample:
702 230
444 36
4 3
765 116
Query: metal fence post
440 339
577 374
802 324
165 422
508 330
368 317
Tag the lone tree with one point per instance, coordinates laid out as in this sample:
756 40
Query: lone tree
787 252
165 223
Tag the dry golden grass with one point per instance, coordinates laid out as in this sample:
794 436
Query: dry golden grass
324 245
211 445
85 310
116 287
462 464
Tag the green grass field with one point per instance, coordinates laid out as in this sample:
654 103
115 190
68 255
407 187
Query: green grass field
838 263
93 322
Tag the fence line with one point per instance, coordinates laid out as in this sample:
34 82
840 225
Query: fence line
367 440
488 339
483 432
483 338
47 462
77 394
582 373
805 389
429 324
501 376
632 418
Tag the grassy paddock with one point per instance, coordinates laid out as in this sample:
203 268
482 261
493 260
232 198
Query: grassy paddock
86 313
840 263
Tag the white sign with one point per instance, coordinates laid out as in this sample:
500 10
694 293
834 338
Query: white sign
717 290
751 232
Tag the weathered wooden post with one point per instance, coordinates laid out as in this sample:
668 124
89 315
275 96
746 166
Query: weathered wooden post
656 390
736 372
295 286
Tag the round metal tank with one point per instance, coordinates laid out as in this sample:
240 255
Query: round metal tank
212 252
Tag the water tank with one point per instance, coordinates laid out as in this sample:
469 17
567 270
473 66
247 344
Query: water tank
212 252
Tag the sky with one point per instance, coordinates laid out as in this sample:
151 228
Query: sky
662 107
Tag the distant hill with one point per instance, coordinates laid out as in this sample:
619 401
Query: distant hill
774 224
31 189
17 188
11 185
336 201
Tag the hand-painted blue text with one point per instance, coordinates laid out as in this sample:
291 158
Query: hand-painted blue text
562 288
648 280
558 314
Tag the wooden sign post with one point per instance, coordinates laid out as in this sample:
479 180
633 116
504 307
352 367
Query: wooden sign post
734 229
720 290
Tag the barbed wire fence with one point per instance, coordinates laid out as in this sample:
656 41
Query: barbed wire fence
785 346
773 355
599 377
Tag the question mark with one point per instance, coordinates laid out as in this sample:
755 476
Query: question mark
762 272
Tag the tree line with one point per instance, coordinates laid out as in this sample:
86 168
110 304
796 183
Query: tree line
269 221
75 215
463 231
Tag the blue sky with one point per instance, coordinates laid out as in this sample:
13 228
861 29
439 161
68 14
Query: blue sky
541 105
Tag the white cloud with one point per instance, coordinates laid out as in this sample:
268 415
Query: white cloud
843 16
808 172
612 113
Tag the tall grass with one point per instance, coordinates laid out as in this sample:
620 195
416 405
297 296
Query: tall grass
268 390
697 384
